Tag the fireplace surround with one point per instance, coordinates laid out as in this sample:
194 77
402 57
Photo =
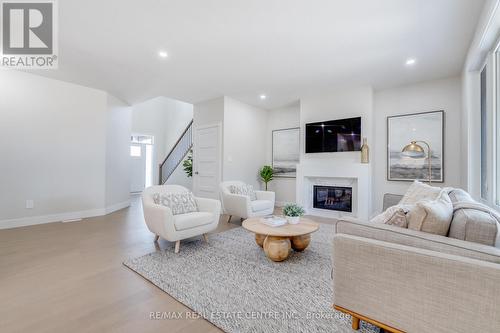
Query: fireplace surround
340 173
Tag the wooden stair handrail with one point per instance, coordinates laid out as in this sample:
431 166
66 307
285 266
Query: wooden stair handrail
177 142
189 128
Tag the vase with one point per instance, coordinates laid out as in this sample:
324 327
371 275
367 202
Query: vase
293 219
365 152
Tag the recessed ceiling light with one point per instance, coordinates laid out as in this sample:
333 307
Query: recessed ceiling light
263 96
163 54
411 61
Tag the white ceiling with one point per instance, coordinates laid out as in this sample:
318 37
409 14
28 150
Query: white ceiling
244 48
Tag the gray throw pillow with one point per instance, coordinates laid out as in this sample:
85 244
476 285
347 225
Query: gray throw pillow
395 215
243 190
179 203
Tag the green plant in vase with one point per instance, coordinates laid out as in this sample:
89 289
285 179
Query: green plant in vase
293 212
188 164
266 174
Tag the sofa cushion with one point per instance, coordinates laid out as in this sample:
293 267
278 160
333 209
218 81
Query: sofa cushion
391 200
192 220
260 205
432 216
179 203
471 225
419 191
474 226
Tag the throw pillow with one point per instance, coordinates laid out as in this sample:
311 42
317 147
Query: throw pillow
432 216
419 191
395 215
179 203
243 189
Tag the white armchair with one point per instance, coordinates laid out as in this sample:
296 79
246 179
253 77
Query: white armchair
174 228
242 206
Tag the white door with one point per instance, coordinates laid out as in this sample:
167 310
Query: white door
207 158
138 167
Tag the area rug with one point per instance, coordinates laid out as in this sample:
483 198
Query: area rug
231 283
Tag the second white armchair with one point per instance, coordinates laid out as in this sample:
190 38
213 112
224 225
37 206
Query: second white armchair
242 206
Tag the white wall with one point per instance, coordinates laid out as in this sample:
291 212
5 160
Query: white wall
427 96
118 129
53 150
149 118
282 118
165 119
209 112
340 103
245 132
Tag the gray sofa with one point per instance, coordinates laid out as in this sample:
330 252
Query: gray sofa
410 281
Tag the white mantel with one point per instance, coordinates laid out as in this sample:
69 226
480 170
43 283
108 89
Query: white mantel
340 173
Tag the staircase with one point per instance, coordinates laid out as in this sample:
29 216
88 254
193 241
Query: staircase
176 154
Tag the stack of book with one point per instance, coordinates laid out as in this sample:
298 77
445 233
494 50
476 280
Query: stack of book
274 221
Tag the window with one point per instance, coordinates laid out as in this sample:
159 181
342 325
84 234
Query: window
496 129
146 139
489 117
484 155
490 129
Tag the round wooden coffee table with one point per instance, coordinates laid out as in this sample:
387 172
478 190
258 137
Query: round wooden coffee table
277 241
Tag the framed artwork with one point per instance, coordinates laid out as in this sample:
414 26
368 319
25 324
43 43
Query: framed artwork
286 152
426 127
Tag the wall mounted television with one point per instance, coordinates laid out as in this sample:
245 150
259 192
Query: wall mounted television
334 136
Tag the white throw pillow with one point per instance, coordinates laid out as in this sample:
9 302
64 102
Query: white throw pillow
179 203
243 190
395 215
419 191
432 216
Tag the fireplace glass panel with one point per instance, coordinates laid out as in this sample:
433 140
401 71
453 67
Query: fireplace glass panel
333 198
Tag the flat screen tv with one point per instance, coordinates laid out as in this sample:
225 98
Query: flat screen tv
334 136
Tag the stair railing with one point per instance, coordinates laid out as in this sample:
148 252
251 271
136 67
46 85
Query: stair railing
176 154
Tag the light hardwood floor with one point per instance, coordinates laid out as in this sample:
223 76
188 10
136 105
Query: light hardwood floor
69 277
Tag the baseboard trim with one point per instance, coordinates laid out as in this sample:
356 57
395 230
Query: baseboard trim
68 216
117 206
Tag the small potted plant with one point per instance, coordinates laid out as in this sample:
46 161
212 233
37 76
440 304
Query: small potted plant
293 212
266 174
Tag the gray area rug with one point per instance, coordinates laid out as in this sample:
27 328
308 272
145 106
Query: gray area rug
231 283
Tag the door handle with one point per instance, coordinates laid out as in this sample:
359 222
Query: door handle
196 172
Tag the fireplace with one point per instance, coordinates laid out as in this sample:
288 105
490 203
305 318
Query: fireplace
332 198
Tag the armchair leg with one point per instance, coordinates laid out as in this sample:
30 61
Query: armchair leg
156 238
205 237
177 246
229 219
242 219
